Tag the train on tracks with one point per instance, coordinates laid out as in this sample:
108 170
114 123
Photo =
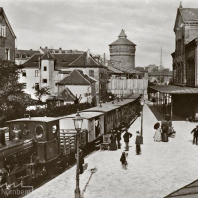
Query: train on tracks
32 147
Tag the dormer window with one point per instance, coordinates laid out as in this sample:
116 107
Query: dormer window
2 30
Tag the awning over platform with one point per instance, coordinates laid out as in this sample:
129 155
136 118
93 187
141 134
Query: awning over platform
171 89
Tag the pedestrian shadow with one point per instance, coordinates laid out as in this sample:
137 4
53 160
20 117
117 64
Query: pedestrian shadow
159 115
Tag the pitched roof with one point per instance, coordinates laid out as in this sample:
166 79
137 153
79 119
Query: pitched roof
6 19
33 62
66 95
47 56
189 14
122 40
63 60
76 77
85 60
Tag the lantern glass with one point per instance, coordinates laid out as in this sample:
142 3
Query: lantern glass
142 102
78 122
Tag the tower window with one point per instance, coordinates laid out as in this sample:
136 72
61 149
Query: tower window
45 68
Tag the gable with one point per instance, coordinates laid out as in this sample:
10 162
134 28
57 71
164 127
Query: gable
4 18
178 20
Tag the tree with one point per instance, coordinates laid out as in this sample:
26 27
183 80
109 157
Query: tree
43 91
12 97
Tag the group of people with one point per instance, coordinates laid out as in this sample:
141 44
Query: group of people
116 136
161 133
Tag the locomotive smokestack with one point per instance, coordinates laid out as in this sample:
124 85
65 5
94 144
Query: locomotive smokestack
2 136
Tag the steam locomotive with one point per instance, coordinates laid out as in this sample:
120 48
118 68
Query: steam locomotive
32 147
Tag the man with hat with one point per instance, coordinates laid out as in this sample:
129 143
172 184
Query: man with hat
195 135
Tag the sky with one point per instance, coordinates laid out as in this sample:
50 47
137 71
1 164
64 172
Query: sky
94 24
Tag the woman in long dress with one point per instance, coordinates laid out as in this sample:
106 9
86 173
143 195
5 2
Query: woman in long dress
113 145
158 134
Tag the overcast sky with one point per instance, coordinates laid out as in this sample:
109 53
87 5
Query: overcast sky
94 24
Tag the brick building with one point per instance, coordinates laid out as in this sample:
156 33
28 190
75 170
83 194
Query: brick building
182 96
7 38
186 30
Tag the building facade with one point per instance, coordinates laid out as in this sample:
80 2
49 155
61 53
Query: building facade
186 30
122 52
46 70
7 38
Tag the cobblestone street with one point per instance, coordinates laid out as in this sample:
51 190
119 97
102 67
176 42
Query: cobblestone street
161 168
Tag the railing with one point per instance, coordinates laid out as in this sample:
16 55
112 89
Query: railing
68 141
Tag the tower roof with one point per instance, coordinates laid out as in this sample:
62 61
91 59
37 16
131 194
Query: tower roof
122 34
122 40
47 56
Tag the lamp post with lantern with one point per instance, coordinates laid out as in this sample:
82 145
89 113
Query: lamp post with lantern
142 104
78 125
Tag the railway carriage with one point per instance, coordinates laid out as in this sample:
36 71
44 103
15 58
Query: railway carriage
38 145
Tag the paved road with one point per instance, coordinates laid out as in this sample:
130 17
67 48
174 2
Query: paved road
161 169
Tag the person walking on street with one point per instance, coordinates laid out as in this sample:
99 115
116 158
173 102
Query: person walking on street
195 135
119 138
126 137
158 135
113 138
138 142
123 160
164 128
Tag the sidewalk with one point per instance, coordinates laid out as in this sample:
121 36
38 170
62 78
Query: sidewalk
161 169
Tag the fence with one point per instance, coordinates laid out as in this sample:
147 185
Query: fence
127 86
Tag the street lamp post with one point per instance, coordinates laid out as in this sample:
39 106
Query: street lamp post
78 125
142 104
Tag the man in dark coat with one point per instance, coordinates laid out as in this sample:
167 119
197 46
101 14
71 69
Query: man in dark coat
195 135
126 137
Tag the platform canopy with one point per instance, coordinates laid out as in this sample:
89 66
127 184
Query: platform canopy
171 89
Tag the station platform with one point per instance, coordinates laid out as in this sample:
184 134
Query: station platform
162 168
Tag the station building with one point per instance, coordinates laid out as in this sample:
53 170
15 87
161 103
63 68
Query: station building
182 96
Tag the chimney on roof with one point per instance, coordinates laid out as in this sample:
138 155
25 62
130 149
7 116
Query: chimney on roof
30 49
180 6
60 48
45 47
